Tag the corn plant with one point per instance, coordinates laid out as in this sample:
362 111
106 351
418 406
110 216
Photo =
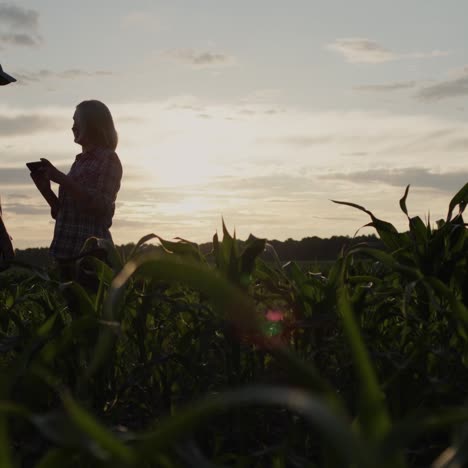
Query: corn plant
174 360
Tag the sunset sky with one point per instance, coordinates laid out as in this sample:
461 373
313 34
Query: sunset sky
258 111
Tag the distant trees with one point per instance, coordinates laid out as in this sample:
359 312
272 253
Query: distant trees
307 249
318 249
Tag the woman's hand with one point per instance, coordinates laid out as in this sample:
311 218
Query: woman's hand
51 172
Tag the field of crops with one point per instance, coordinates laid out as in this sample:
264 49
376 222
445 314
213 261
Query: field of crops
181 359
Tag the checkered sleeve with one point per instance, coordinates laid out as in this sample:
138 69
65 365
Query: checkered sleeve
104 183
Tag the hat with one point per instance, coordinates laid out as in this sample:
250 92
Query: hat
5 78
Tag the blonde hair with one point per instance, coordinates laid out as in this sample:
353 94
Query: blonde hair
98 124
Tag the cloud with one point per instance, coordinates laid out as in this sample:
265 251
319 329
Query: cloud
18 39
443 140
200 59
267 185
450 88
361 50
356 50
19 26
387 137
70 74
17 17
386 87
26 209
416 176
14 176
18 176
25 124
17 197
144 227
458 144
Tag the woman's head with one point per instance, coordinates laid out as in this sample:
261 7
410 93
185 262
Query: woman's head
93 125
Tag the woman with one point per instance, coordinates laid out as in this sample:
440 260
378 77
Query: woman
86 200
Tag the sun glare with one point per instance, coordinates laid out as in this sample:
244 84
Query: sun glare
187 206
185 166
186 149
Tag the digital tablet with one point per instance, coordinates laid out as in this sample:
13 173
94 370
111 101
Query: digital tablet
35 165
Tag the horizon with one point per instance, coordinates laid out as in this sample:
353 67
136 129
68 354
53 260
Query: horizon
204 243
258 113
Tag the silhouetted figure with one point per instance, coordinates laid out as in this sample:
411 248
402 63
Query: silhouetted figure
6 248
85 203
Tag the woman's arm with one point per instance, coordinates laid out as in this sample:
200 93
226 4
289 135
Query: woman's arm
77 191
43 185
101 190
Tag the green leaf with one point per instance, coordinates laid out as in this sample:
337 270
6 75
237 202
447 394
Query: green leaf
77 330
8 409
354 205
182 248
80 296
373 418
46 328
421 423
57 458
102 270
403 201
55 426
389 261
98 433
306 376
226 235
218 253
142 241
458 308
233 265
5 450
253 248
107 246
460 198
387 232
392 239
420 231
333 428
229 301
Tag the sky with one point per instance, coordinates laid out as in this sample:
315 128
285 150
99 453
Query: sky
259 112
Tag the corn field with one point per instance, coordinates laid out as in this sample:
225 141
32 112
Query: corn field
181 359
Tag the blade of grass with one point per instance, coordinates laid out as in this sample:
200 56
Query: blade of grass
101 435
334 429
374 419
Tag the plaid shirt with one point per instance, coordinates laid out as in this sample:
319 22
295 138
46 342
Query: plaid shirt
99 173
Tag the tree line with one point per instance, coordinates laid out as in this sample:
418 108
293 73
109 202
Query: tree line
308 249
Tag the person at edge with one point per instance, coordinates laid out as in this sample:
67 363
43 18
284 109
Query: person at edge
6 247
86 198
